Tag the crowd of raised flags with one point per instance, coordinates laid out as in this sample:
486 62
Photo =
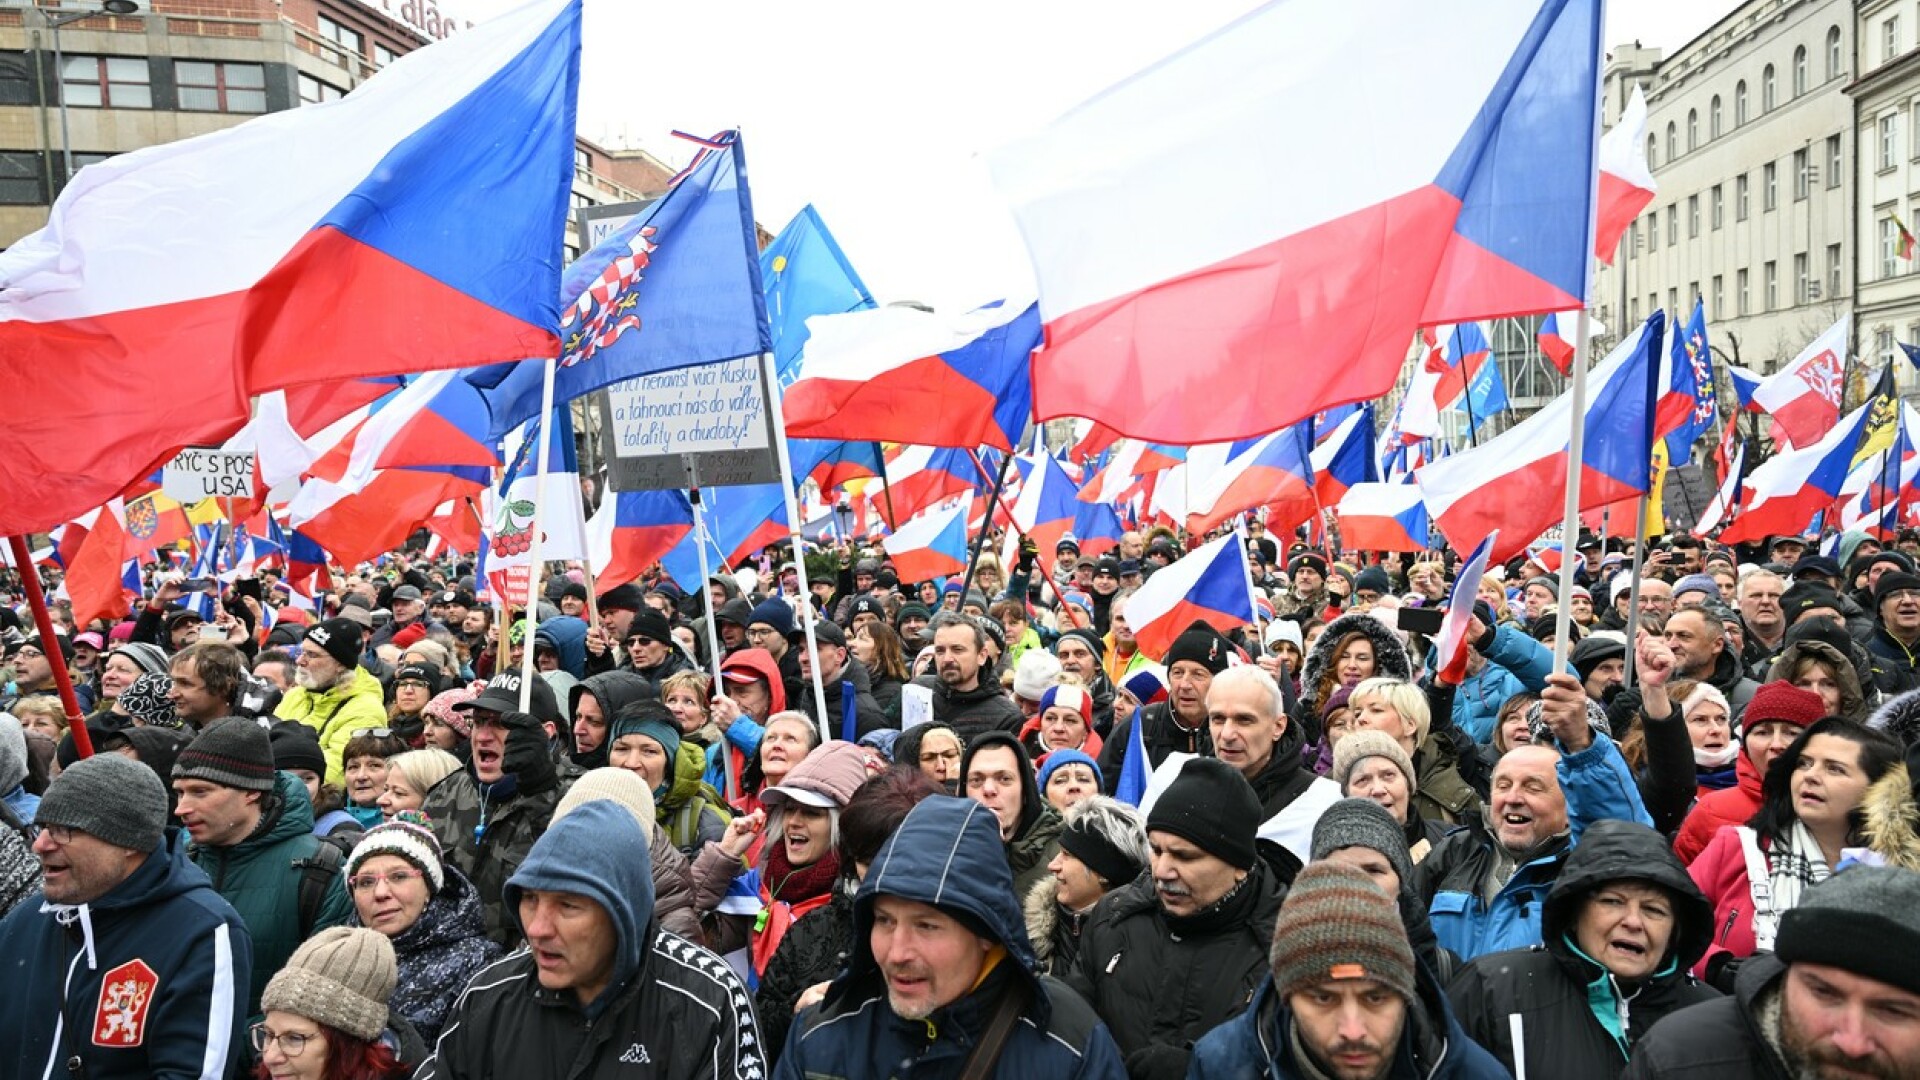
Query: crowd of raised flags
1243 488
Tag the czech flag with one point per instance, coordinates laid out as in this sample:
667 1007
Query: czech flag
1556 343
920 477
413 224
899 374
1470 198
1098 529
1345 458
632 530
1384 517
1804 397
1517 482
93 581
1210 585
1452 644
932 545
1790 487
1626 183
1275 472
1745 382
1047 508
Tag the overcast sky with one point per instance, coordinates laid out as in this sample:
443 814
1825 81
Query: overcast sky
875 110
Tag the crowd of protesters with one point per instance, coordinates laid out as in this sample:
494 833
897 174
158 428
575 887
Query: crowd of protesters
970 827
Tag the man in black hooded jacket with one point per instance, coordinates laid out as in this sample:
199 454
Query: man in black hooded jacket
997 774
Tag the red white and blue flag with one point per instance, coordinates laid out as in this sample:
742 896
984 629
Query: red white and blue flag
1047 508
1626 181
632 530
932 545
1804 397
1209 584
1452 644
1384 517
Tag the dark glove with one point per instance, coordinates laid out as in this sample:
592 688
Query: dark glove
1158 1061
526 757
1029 551
1722 970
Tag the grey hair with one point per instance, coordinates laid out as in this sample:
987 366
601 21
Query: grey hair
1251 675
953 618
777 824
1119 825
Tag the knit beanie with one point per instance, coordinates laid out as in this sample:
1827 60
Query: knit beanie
1335 701
1105 858
1088 637
1893 581
442 710
1034 673
1060 758
338 638
1363 823
13 753
296 746
1805 596
650 718
774 613
111 798
1374 580
1593 651
230 752
145 699
1212 805
1069 697
1203 645
1147 684
1704 692
1699 583
1537 722
341 977
1357 746
1859 920
1781 700
409 836
1337 924
620 786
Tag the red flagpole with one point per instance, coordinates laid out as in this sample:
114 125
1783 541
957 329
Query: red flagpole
37 599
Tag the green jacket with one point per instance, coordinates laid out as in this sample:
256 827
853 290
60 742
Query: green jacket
261 875
488 838
336 714
691 811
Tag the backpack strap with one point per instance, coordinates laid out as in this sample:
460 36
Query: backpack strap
318 872
1760 887
986 1053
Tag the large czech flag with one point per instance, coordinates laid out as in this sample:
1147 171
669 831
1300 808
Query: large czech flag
1211 585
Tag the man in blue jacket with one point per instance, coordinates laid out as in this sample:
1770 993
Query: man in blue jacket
128 964
1345 998
942 972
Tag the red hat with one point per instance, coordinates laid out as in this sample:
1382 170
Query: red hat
1069 697
1781 700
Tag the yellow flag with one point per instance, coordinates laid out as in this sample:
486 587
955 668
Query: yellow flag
205 512
1656 496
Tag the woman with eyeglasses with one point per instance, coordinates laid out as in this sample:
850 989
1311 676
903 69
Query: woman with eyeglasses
414 685
326 1013
405 891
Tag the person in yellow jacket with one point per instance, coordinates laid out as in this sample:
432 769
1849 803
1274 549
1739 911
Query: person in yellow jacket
333 694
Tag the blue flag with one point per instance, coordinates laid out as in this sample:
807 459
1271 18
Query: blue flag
1134 769
1687 403
805 274
677 286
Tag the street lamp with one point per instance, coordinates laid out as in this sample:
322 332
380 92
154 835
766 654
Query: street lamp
54 23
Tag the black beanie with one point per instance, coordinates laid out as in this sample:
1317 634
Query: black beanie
1212 805
1805 596
1203 645
338 638
296 746
1891 581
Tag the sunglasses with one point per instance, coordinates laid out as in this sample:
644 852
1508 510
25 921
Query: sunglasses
376 732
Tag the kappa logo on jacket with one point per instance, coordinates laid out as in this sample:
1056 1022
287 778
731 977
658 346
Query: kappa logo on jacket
120 1019
636 1055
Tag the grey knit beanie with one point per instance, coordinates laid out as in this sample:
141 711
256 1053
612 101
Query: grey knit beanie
1366 824
233 753
13 753
111 798
1860 920
1537 723
341 978
1358 746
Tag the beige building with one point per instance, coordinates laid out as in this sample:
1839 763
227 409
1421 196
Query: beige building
1750 134
1886 97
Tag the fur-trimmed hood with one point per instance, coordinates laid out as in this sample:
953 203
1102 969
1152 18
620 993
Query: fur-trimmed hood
1892 826
1899 717
1853 702
1389 653
1042 914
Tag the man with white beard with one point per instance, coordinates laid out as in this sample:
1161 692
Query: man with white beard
332 693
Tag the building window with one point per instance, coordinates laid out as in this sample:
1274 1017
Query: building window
1673 141
1802 176
1743 302
1833 52
347 38
1883 345
20 178
1802 279
1719 206
1799 71
1889 141
107 82
382 56
1633 239
1693 217
1833 161
1889 248
1693 129
221 87
1719 297
1739 103
1770 277
313 91
1653 230
1769 186
1833 271
1633 311
1673 224
1653 144
1673 303
1890 38
1713 117
1740 197
1767 96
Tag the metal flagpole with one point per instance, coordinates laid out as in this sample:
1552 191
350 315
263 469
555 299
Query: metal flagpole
700 545
993 505
1633 597
770 381
534 565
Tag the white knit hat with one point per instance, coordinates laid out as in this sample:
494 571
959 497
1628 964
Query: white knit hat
408 837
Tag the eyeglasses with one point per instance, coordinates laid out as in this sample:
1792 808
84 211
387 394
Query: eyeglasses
376 732
369 882
60 834
761 631
27 651
422 683
292 1043
636 641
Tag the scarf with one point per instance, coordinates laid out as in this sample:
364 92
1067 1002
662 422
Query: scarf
1713 761
1795 866
785 895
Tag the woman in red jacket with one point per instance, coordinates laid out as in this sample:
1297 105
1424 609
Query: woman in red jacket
1776 716
1809 811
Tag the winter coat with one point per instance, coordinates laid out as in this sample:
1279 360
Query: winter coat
1670 781
1515 663
814 950
690 812
1444 794
973 712
1160 733
1454 877
1292 797
1728 678
1576 1020
1735 805
568 633
947 853
1899 669
1055 933
1160 983
19 866
1721 873
1259 1043
487 834
669 1005
612 691
335 714
1891 819
673 889
165 931
1899 717
886 694
1029 853
443 949
1390 660
862 712
261 875
1717 1038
